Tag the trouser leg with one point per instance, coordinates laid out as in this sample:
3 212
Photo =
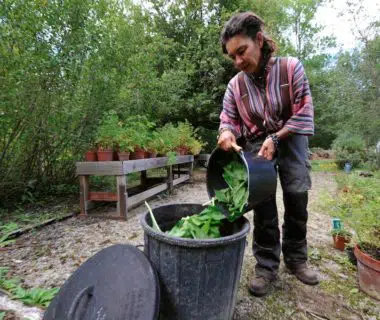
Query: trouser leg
266 238
294 244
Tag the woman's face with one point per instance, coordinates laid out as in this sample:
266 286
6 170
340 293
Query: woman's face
245 52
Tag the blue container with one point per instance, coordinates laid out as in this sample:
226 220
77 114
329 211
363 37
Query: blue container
347 167
336 224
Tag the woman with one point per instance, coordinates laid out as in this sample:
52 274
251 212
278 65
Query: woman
268 110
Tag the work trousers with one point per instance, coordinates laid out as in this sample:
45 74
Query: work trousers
293 168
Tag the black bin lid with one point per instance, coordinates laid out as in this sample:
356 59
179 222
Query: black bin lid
117 283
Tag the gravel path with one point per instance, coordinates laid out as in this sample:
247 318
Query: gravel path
48 257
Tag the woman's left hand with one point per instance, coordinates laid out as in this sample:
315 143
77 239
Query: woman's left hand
267 149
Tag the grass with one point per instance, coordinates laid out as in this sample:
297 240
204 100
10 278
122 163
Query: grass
357 204
324 166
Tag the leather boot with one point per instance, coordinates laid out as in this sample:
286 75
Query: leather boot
305 274
260 286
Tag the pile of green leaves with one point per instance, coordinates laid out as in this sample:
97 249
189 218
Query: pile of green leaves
204 225
235 196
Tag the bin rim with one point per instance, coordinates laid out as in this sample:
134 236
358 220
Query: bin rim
194 243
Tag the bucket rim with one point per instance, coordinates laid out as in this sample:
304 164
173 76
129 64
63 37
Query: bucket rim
194 243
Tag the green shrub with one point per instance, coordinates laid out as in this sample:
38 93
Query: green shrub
351 148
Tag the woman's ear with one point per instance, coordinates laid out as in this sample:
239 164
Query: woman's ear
260 39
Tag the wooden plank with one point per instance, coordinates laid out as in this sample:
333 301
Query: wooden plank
100 168
204 157
182 179
191 169
138 198
151 163
102 196
122 196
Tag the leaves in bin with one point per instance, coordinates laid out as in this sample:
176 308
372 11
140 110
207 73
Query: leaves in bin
235 196
204 225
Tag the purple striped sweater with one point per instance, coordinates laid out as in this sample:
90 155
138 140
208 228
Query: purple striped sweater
302 119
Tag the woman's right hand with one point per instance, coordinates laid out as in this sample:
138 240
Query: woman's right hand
227 141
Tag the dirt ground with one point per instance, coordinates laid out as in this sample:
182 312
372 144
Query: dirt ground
46 258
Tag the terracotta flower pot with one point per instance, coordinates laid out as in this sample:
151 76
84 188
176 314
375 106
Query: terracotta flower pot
91 156
138 153
146 154
340 242
105 155
369 273
123 156
152 154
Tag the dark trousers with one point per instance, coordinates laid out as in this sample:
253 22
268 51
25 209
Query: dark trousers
293 169
266 233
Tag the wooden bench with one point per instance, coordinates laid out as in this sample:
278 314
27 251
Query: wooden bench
120 169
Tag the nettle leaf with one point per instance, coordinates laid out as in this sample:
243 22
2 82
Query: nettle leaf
235 196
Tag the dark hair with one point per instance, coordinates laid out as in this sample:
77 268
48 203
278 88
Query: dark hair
248 24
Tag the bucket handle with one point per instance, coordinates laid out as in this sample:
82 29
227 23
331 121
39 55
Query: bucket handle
88 291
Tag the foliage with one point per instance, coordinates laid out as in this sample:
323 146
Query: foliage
341 232
236 195
204 225
323 166
109 131
32 297
137 130
357 202
5 231
35 296
349 148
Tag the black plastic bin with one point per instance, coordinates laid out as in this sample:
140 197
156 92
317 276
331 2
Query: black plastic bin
198 278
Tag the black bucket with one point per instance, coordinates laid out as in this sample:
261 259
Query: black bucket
262 176
198 278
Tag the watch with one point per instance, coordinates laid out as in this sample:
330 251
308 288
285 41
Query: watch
275 140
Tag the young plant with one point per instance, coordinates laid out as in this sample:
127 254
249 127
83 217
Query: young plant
108 131
341 233
35 296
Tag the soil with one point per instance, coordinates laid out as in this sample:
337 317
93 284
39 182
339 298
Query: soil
46 258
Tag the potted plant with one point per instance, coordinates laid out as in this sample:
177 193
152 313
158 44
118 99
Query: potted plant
153 145
91 154
368 262
125 147
107 134
139 128
341 237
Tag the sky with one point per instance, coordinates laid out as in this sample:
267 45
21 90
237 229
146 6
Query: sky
341 27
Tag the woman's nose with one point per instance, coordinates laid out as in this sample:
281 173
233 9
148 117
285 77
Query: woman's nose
238 60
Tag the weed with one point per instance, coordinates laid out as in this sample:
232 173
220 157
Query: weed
32 297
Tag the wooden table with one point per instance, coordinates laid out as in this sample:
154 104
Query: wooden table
120 169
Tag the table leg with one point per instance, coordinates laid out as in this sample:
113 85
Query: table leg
169 178
122 196
84 189
191 168
143 177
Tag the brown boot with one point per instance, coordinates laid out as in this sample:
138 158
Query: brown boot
260 286
305 274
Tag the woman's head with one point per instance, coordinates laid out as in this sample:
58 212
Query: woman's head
243 39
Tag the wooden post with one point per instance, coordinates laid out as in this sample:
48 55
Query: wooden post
169 179
191 168
83 193
122 196
143 178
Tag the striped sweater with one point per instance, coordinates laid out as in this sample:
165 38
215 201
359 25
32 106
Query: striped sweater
267 105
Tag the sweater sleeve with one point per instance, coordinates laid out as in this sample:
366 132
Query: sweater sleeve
229 117
302 120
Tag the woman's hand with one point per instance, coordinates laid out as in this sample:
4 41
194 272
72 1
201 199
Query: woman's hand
227 141
267 149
